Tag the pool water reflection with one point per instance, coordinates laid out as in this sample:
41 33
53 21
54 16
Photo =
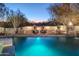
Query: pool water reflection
45 46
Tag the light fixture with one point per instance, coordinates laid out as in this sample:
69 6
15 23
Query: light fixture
70 24
38 38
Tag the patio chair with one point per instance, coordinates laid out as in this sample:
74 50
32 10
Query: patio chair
43 31
35 31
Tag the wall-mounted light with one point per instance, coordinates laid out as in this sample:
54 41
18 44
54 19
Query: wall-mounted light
70 24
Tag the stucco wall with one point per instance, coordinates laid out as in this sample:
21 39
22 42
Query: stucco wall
28 29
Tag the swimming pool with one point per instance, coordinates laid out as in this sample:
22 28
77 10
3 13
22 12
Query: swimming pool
47 46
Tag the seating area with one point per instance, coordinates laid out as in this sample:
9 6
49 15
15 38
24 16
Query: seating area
37 30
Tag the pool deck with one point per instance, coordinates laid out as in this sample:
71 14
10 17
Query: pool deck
5 36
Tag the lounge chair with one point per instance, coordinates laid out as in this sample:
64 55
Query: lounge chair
43 31
35 31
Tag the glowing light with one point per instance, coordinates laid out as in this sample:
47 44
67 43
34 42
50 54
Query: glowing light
38 38
61 28
70 24
38 50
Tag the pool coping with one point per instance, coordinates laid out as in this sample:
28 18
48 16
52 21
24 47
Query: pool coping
4 36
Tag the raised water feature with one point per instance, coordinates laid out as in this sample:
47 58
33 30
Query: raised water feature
6 47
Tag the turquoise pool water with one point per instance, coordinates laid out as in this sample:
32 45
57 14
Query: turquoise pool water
46 46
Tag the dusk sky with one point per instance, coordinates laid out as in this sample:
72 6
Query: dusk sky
33 11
